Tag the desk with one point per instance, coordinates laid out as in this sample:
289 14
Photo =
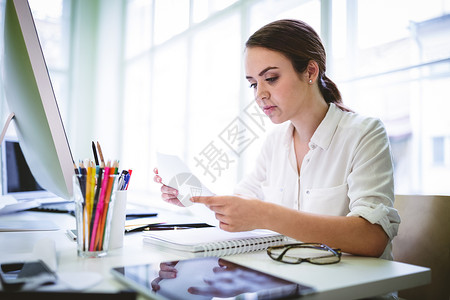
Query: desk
352 278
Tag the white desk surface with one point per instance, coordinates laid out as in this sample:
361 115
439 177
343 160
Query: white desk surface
353 278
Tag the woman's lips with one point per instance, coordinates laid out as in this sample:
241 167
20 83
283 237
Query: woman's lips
269 109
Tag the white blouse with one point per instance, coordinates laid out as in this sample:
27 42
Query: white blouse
347 171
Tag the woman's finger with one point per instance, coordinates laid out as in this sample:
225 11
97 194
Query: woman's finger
169 190
157 179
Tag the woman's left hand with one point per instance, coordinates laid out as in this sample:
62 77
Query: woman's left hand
235 213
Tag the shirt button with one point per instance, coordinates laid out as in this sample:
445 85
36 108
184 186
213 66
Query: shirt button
307 192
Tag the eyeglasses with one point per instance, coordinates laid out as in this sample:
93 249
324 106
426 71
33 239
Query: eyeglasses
314 253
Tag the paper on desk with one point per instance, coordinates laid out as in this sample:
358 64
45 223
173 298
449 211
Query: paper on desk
9 204
27 225
175 173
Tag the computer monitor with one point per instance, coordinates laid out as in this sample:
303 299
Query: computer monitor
16 175
29 94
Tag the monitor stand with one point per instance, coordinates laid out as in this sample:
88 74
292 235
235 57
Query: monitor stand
7 122
8 203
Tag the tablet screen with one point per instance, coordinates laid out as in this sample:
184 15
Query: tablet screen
207 278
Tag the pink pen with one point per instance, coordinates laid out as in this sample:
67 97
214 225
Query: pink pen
99 212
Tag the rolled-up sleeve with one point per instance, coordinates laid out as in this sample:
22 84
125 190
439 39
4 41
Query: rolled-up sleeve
380 214
371 183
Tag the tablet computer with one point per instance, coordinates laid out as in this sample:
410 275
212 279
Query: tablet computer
206 278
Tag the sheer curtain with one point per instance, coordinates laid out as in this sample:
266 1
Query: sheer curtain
392 61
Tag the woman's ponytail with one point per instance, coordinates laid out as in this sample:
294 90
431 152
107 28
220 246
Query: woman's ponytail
330 92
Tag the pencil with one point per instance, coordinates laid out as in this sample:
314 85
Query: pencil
100 153
88 193
116 167
84 210
101 204
75 168
95 153
83 179
96 203
108 195
91 195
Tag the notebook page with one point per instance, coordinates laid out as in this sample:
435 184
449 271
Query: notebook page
199 238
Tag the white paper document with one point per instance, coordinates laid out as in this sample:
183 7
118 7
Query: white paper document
175 173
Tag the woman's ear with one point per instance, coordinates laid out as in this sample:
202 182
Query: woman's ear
312 71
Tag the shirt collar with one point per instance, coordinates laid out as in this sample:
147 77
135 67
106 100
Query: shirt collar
287 140
324 133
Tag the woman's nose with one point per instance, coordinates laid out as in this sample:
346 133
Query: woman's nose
261 93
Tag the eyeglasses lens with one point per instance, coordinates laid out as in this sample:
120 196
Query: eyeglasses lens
313 255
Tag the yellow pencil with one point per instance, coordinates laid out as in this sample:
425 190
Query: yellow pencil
88 193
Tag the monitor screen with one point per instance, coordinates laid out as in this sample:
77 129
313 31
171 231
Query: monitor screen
16 173
29 94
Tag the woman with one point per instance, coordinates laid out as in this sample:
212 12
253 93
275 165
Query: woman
326 175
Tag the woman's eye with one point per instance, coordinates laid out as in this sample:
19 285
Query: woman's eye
253 85
272 79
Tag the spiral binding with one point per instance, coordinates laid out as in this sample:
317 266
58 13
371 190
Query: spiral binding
231 247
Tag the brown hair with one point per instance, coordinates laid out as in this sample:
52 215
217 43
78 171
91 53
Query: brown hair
300 44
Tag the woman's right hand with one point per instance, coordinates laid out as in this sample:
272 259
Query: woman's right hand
168 193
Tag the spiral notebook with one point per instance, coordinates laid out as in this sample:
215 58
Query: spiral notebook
212 241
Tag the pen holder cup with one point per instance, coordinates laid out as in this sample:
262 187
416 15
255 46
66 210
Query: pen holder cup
94 196
117 231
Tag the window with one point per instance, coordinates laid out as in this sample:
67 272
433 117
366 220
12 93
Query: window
397 70
52 20
183 89
202 9
439 151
